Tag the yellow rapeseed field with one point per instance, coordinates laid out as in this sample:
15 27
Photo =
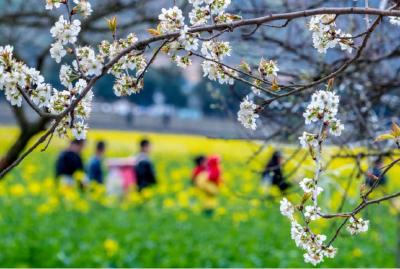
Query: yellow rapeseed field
43 224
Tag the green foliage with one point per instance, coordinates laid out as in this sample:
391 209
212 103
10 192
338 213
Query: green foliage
159 229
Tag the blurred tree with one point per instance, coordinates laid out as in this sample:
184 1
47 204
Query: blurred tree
373 78
25 25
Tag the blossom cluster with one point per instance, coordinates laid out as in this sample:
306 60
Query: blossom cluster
308 186
20 82
171 20
81 6
203 10
304 238
89 63
322 109
16 77
325 35
213 51
394 20
268 69
268 72
357 226
64 32
76 121
128 69
73 77
216 51
180 50
247 114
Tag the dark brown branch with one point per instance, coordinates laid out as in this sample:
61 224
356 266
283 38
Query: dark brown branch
331 75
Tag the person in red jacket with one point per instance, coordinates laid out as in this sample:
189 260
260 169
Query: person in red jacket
214 170
208 181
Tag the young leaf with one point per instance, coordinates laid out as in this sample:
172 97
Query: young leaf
245 66
153 32
112 25
395 130
383 137
275 86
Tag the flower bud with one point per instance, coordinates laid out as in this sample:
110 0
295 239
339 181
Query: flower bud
112 25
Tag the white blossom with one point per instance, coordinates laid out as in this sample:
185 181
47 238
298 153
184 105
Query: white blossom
199 16
336 127
217 72
323 106
59 101
313 257
218 6
308 140
80 86
89 63
216 50
84 7
312 212
330 252
57 51
346 42
247 115
14 97
79 130
50 4
394 20
66 76
171 20
188 41
308 185
196 3
62 128
65 32
268 69
325 35
357 226
127 85
182 62
287 209
41 95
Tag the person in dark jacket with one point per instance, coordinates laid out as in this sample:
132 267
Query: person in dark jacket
201 166
144 169
95 167
375 173
69 162
273 172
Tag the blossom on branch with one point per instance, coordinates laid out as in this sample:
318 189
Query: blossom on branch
83 7
50 4
357 226
325 35
247 115
394 20
287 209
171 20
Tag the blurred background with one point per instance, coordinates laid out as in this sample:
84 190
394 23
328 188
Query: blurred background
185 115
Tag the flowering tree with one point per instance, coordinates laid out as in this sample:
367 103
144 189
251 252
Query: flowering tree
200 35
30 21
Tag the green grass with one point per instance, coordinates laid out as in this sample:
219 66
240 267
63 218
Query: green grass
151 233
